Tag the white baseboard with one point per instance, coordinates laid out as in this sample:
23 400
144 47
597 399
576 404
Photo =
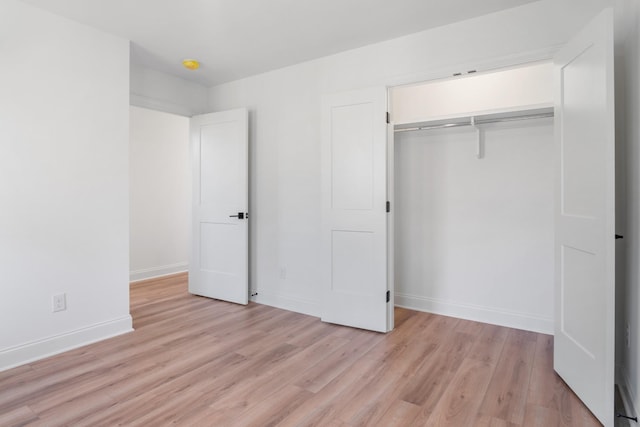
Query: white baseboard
476 313
430 305
288 302
163 270
36 350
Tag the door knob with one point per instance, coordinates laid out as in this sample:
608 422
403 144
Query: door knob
239 216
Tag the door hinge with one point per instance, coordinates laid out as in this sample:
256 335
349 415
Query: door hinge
388 117
388 296
388 206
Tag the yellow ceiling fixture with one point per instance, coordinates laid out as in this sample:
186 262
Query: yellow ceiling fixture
191 64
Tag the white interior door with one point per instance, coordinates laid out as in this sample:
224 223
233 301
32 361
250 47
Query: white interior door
219 253
354 214
584 332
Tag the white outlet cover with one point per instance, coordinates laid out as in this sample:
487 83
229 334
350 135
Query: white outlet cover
59 302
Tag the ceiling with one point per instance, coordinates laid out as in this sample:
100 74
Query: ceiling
238 38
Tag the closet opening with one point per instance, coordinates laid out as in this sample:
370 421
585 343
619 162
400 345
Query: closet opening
471 185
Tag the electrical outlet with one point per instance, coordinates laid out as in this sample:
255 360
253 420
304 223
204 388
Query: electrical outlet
628 336
59 302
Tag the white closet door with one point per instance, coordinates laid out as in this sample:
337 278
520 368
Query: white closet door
219 255
585 258
354 214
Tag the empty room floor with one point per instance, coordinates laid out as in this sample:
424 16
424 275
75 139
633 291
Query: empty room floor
194 361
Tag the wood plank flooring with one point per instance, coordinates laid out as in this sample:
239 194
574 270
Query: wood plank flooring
193 361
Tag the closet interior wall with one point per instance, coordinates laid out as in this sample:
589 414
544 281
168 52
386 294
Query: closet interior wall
473 236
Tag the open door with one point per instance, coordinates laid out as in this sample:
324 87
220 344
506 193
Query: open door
219 265
354 228
585 276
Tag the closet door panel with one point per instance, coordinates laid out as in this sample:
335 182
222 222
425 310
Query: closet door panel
584 338
354 214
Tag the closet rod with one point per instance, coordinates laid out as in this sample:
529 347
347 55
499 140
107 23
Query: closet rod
478 122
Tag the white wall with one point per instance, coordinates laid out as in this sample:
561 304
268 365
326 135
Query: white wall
512 89
163 92
628 185
285 118
160 193
64 222
474 237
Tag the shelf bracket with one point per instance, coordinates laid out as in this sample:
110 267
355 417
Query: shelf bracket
479 138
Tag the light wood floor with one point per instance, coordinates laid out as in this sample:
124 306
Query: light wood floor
193 361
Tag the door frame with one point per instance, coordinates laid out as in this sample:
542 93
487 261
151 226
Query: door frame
391 284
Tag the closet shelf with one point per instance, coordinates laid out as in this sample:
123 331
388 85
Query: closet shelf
480 118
